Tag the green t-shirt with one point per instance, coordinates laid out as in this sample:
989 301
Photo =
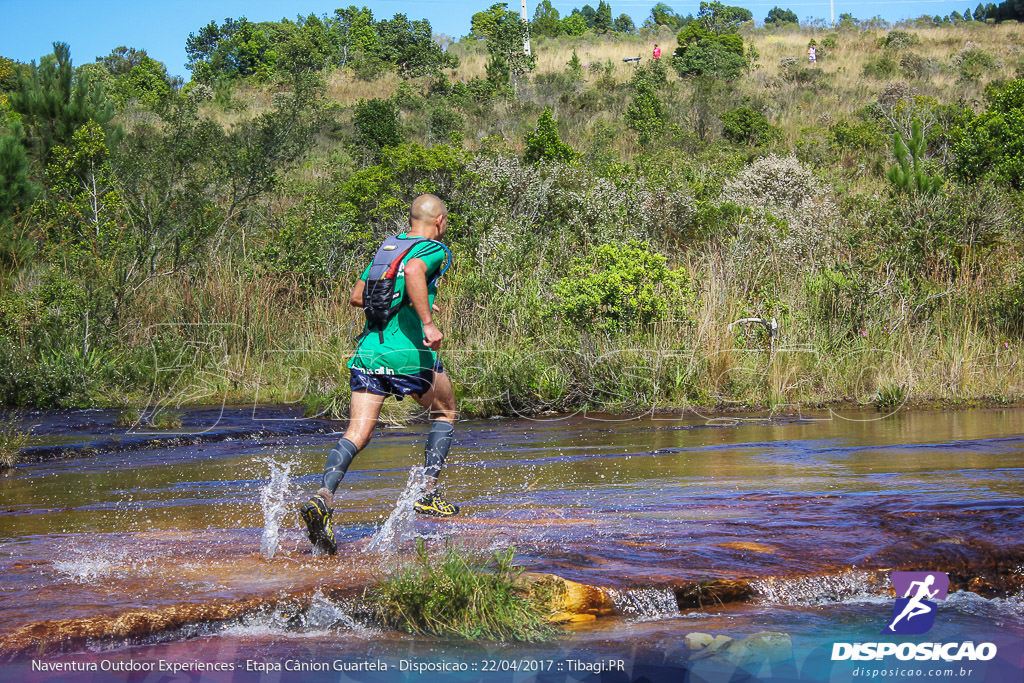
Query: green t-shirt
402 352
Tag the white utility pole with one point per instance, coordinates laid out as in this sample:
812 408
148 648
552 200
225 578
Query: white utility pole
526 41
831 12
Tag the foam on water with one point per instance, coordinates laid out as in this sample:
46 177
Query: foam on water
395 528
646 604
847 588
322 618
272 500
87 565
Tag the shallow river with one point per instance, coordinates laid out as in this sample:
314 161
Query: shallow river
808 514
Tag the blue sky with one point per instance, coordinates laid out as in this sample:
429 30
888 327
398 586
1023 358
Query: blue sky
94 27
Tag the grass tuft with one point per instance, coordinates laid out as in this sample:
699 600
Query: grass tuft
463 595
12 439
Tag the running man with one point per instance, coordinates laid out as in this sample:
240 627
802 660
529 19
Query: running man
398 359
915 607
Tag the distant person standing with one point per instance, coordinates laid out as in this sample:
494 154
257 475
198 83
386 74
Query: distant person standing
657 51
812 53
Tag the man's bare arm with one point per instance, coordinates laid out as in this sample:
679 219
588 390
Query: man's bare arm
356 299
416 288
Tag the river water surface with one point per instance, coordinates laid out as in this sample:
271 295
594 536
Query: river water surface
130 547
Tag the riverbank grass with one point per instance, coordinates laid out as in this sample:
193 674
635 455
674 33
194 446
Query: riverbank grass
461 594
13 438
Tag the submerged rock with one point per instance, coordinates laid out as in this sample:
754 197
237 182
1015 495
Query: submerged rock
705 642
766 647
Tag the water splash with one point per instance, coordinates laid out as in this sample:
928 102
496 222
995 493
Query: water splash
322 617
393 531
88 565
645 604
848 587
272 500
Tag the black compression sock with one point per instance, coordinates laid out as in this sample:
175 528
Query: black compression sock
438 442
338 461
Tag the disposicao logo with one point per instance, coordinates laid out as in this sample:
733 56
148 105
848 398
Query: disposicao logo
914 614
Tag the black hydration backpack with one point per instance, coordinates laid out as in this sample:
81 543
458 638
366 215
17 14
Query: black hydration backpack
381 302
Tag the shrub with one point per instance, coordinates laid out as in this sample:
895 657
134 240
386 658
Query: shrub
939 236
543 144
781 188
711 46
972 62
646 114
882 67
462 595
445 124
914 65
621 285
861 135
368 67
376 124
993 142
797 71
898 40
745 125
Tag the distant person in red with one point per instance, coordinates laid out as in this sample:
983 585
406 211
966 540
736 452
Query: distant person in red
657 51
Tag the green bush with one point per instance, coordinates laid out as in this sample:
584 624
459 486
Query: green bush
646 113
993 142
711 45
369 67
857 135
445 124
897 40
973 63
798 71
621 285
543 143
376 124
16 190
745 125
881 67
463 595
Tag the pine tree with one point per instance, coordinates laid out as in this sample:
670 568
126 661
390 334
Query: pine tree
15 188
910 176
603 18
54 103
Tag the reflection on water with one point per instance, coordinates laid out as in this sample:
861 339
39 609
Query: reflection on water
812 512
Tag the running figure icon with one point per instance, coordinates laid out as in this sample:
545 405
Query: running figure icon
914 613
916 607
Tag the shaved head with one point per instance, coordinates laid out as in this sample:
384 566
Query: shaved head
425 209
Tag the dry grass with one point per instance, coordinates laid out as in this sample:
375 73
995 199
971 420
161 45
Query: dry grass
793 105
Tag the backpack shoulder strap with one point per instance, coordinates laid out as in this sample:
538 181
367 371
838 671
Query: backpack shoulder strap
389 256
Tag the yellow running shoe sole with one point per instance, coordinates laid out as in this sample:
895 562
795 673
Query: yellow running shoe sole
317 517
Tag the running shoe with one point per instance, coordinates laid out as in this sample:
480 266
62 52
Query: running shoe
434 504
317 517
